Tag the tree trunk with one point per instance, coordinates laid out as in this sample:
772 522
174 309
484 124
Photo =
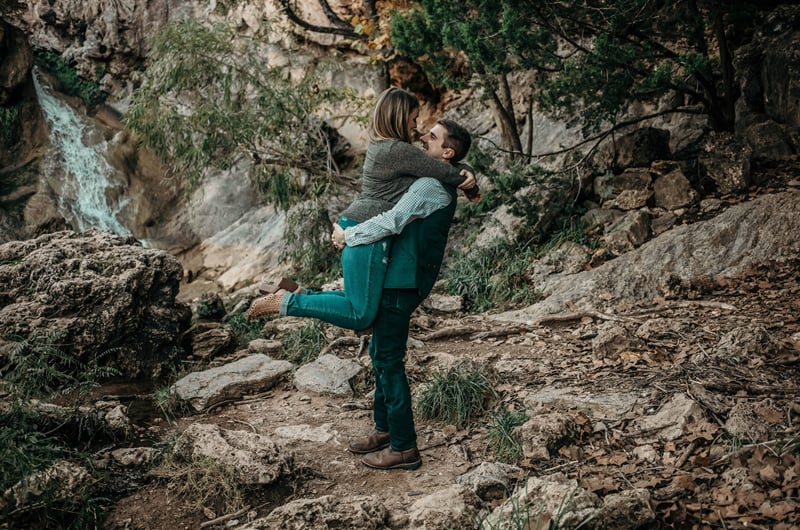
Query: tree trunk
506 121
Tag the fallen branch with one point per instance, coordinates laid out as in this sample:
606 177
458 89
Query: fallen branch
224 518
341 341
447 333
686 454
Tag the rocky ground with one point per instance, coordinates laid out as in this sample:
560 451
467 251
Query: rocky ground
692 397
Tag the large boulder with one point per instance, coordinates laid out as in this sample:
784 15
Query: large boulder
108 298
743 236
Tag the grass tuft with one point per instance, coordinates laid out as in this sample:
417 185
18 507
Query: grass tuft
456 395
203 483
303 344
500 434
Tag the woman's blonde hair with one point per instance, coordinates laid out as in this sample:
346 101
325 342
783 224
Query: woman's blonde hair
390 116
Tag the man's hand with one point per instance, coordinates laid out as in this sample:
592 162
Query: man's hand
469 182
337 237
474 198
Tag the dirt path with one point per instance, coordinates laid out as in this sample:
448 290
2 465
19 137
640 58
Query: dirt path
704 478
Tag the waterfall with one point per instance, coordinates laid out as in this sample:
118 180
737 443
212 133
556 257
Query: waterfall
80 157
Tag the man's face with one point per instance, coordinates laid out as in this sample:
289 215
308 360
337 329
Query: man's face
432 143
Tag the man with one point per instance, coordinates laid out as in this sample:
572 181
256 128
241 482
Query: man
416 258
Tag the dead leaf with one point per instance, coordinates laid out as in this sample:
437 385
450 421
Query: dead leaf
777 511
769 475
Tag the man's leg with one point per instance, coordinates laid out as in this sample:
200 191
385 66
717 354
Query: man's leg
392 392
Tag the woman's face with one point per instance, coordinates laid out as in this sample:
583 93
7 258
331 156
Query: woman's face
412 123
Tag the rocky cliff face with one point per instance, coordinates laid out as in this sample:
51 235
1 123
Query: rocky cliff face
225 237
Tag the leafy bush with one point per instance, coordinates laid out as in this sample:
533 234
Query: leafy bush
37 367
456 395
212 99
500 437
30 444
71 83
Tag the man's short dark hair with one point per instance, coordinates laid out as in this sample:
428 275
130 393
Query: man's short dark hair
458 139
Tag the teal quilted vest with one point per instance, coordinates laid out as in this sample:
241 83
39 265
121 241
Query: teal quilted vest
417 253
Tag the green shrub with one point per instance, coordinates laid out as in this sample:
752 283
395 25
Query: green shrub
456 395
500 437
37 367
71 83
30 443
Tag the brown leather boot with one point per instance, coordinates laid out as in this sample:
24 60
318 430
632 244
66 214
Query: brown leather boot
376 441
391 459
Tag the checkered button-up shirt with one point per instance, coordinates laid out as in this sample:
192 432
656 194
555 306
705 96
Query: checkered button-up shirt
425 196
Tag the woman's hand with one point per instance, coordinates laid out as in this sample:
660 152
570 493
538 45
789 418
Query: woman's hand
337 237
470 180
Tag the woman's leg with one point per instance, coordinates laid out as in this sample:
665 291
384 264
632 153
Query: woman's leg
364 269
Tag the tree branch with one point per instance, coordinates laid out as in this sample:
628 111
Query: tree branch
338 30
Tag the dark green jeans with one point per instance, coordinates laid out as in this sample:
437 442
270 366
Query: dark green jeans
387 349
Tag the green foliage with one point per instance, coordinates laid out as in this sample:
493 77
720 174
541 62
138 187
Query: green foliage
492 276
37 367
594 57
495 36
245 331
308 245
210 307
303 344
456 395
211 100
500 434
26 450
10 124
71 83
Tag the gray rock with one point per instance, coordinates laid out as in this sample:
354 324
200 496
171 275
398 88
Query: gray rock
555 495
103 292
490 480
327 375
365 512
453 507
253 458
673 191
744 235
627 509
668 422
252 374
602 404
544 433
725 159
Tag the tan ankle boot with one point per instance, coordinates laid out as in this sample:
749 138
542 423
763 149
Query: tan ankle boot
376 441
391 459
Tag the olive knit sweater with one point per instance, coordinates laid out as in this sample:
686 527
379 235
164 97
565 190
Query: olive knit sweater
390 167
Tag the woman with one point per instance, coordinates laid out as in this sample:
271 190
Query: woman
391 165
